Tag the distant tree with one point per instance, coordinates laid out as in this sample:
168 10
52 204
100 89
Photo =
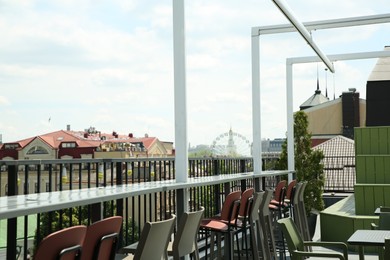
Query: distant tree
206 152
308 163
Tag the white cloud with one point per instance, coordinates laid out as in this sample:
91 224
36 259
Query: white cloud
4 101
110 64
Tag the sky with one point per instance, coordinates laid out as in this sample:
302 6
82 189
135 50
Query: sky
109 64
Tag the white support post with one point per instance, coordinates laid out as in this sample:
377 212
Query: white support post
256 109
290 121
179 61
181 155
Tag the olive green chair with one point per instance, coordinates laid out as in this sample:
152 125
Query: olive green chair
384 222
387 249
296 245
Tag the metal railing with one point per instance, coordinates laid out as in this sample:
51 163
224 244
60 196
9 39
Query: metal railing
36 176
340 173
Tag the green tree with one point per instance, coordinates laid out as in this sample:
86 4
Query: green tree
308 163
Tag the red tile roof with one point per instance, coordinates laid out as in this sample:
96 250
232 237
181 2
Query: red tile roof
54 139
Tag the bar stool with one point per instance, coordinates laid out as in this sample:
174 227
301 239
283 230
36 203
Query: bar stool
242 222
223 225
276 204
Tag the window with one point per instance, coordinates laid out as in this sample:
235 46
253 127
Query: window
37 150
68 145
11 146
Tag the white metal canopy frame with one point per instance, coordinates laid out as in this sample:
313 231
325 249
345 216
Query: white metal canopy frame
283 28
181 139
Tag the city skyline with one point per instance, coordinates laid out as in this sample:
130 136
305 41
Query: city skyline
110 65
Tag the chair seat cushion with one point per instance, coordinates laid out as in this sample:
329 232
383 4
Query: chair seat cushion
213 224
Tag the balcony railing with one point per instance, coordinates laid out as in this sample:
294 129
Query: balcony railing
37 176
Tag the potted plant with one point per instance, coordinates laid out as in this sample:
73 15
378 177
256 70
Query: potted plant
308 167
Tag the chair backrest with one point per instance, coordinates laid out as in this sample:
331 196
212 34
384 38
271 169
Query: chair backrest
185 241
244 209
278 196
384 221
255 206
290 190
292 235
64 244
264 209
387 249
227 213
154 240
101 239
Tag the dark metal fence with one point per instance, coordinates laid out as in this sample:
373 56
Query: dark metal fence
35 176
340 174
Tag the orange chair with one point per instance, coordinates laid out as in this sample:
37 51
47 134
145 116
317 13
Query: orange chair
101 239
65 244
223 224
289 199
276 203
242 222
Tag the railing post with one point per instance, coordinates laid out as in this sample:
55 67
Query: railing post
217 198
119 202
242 170
96 209
119 181
12 223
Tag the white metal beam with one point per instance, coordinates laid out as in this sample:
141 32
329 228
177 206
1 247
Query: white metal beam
288 13
323 24
338 57
315 25
289 89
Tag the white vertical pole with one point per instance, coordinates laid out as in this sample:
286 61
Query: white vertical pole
256 108
290 120
179 63
181 154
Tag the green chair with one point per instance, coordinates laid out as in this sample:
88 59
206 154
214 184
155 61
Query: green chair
296 245
387 249
384 222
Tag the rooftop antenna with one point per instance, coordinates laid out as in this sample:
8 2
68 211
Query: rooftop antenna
318 83
326 82
334 88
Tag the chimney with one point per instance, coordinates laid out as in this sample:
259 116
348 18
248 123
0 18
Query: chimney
351 112
67 127
131 135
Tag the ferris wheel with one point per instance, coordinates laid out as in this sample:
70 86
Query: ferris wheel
231 144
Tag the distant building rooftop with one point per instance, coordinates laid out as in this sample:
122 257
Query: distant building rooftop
381 69
314 100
